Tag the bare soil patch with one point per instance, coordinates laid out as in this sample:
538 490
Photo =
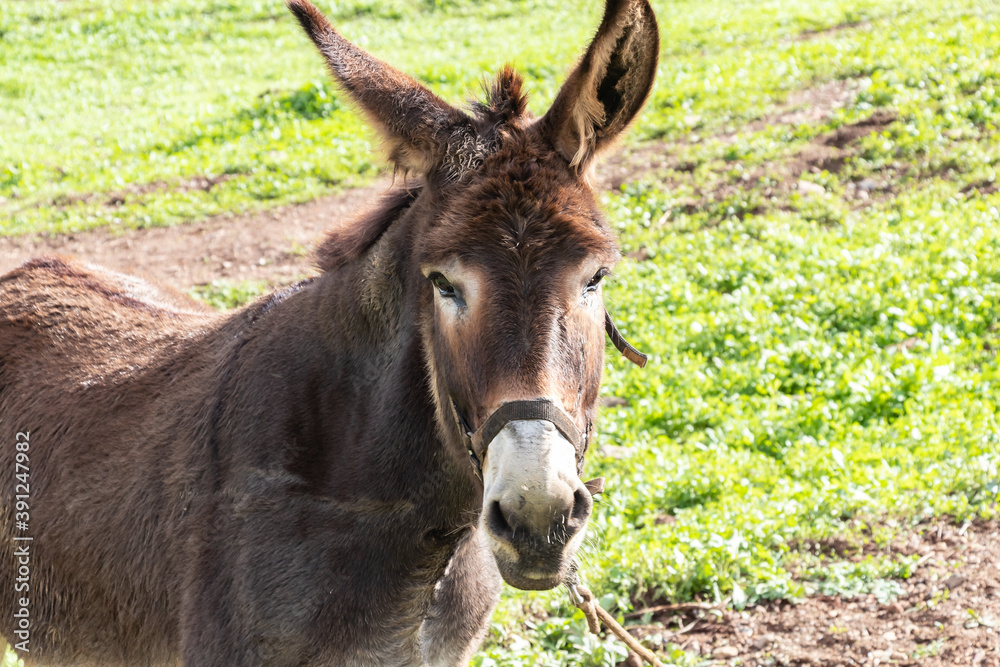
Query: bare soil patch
812 105
633 164
849 134
769 186
119 197
948 615
811 34
829 152
982 188
273 246
776 180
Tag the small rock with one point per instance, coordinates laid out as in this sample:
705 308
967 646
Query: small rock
810 188
761 643
725 652
953 582
868 185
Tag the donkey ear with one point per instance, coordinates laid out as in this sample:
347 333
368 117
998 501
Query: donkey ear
415 123
609 86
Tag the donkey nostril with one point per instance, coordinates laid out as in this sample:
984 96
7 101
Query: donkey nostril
496 522
582 504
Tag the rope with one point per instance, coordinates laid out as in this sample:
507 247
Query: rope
584 599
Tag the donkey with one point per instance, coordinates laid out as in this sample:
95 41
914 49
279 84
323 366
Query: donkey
344 472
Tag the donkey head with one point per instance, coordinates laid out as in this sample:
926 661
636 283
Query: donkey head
511 248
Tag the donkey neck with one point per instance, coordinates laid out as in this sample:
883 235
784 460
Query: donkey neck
349 392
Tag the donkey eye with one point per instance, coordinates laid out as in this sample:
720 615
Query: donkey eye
445 288
595 281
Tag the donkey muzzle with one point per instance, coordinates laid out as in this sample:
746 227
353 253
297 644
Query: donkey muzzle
535 507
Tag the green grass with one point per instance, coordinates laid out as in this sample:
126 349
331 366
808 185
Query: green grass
10 659
115 113
224 294
823 365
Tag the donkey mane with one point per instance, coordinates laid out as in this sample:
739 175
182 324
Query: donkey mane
354 236
506 102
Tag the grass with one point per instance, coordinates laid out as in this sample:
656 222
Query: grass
225 294
823 360
134 114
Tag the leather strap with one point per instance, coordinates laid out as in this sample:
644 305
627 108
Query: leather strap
517 410
478 442
629 352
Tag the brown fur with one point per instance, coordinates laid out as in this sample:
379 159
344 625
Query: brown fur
352 237
286 484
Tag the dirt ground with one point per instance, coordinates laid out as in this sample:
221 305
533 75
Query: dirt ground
948 614
274 246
